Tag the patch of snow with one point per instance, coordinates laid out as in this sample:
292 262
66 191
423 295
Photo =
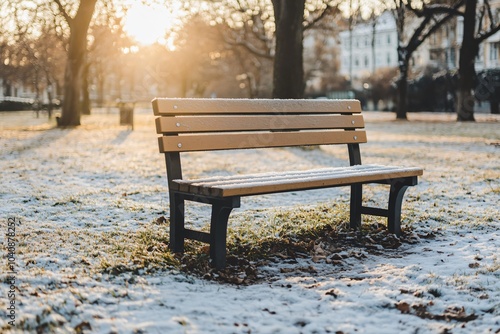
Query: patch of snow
74 190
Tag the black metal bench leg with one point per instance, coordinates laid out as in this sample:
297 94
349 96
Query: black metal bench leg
176 223
396 195
355 207
218 233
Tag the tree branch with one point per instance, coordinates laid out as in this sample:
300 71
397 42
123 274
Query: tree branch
491 32
63 11
243 42
490 14
429 13
428 10
309 24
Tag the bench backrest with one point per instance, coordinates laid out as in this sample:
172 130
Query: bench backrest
220 124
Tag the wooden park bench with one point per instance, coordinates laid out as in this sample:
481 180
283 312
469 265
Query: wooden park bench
188 125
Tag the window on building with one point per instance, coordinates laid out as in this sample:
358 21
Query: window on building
388 59
356 61
388 39
494 50
453 57
480 55
460 28
367 61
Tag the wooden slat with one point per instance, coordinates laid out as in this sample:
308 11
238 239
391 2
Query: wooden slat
200 186
168 106
279 182
224 141
312 183
278 176
187 124
195 185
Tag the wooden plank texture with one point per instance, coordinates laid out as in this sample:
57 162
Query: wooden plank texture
224 141
169 106
189 124
296 180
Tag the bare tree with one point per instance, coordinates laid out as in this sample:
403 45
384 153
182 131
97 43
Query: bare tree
291 19
16 65
77 52
285 45
431 18
288 81
380 82
479 24
46 55
250 39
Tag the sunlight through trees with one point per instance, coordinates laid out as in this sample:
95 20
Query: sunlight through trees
94 52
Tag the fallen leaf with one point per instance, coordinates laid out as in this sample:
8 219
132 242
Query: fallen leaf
404 307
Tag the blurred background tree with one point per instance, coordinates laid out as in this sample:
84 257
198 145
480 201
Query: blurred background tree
229 48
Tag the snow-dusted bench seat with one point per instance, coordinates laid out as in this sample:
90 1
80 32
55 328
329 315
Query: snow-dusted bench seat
223 124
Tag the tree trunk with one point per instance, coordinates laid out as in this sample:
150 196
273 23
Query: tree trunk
100 88
494 106
402 106
85 90
402 86
50 107
466 71
288 75
77 50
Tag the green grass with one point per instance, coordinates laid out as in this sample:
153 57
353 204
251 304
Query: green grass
146 249
285 232
254 239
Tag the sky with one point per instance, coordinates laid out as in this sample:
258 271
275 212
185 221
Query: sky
148 24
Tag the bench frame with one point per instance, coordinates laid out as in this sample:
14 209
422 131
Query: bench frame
223 205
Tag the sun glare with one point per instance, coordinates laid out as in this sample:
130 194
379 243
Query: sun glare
148 24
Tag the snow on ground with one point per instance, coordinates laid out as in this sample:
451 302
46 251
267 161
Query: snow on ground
77 194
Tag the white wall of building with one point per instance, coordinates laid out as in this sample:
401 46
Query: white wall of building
440 50
361 62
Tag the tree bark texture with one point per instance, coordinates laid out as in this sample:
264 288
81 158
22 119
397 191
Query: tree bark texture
77 51
494 106
85 104
402 85
466 71
288 75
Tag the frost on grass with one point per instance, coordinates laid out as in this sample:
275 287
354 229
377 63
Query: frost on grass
92 250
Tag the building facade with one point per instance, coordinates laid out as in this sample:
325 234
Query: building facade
369 47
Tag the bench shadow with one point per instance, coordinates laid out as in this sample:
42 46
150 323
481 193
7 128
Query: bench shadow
122 136
45 137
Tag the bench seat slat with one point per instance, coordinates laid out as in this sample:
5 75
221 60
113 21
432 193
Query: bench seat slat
224 141
187 124
265 177
166 106
278 182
